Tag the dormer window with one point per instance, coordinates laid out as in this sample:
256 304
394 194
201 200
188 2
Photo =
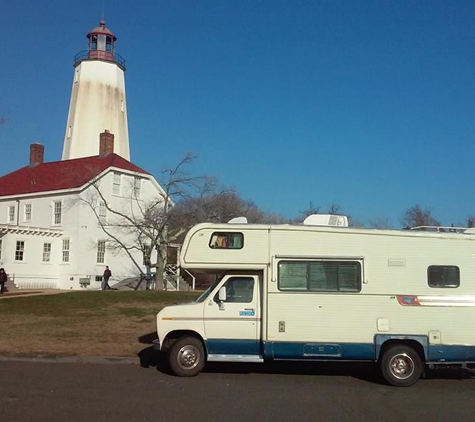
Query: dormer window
11 214
116 184
27 212
57 211
137 187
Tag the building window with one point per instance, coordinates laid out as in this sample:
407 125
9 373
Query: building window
320 276
102 213
27 212
137 187
65 257
443 276
20 250
46 252
11 214
57 212
116 184
101 251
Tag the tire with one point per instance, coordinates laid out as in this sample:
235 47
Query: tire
186 357
401 366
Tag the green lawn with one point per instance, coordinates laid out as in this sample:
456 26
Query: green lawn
90 323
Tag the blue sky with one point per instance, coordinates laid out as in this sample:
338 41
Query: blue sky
366 104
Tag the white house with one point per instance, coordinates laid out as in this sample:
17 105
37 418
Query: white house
49 238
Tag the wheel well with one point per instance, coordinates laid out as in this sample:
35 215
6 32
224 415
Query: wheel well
414 344
175 335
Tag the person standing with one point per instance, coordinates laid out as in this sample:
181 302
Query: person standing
105 279
3 280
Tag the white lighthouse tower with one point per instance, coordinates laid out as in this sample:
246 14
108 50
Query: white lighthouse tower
97 98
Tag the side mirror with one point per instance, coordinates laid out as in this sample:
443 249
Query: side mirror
222 294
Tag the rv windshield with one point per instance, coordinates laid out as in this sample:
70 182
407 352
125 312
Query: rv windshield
208 291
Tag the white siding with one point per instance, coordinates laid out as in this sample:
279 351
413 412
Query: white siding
79 225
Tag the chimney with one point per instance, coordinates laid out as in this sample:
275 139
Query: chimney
37 153
106 143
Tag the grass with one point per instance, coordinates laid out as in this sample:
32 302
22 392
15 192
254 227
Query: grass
96 323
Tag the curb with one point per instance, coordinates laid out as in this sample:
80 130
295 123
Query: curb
124 360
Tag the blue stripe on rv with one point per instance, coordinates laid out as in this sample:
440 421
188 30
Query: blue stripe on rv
334 351
232 347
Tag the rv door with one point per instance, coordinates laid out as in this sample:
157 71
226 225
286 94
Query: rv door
232 317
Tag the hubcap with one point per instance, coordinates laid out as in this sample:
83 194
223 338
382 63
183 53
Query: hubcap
402 366
188 357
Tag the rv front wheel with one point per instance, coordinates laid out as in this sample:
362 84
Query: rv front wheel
401 366
186 357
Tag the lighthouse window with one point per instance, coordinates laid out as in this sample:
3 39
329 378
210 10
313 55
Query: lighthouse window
94 42
108 44
101 42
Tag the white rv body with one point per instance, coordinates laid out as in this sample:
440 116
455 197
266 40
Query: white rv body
403 298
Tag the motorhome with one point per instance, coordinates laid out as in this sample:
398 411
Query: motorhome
404 299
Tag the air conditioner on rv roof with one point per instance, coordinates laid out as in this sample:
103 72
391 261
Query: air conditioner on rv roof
326 220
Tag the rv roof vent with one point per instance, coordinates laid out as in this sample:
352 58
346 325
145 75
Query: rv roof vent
442 229
326 220
238 220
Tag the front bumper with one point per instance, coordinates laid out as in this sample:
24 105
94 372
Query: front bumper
156 345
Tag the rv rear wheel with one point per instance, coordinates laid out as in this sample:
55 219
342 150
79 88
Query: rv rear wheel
186 357
401 366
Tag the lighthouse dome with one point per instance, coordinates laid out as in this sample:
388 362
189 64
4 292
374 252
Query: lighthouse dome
101 29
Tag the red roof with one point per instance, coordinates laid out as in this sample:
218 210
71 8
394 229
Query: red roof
59 175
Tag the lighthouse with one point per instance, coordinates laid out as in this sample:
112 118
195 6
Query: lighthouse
98 102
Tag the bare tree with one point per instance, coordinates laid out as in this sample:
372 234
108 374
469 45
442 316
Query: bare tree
219 207
146 226
334 209
416 216
312 209
380 222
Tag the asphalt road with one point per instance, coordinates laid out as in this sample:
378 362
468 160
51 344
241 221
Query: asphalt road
46 391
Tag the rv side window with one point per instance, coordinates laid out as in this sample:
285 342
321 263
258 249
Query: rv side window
320 276
443 276
226 241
